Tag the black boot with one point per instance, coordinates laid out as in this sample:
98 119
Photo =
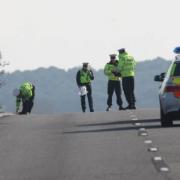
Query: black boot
108 108
132 107
121 108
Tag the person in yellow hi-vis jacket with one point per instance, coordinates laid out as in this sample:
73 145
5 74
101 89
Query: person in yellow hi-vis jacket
112 72
24 94
83 79
127 66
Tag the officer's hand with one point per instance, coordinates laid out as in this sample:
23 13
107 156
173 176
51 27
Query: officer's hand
116 73
90 72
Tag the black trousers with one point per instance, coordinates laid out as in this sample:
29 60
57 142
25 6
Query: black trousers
27 106
90 99
128 88
114 86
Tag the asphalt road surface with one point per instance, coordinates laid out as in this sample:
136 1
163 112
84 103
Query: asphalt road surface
125 145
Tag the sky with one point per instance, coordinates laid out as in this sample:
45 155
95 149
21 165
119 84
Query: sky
65 33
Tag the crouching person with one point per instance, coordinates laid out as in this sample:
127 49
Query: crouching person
25 95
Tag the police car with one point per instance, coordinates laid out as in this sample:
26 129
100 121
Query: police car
169 92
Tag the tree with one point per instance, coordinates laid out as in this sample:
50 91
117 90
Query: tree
2 71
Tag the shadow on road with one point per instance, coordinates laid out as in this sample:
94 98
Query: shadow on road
121 122
124 128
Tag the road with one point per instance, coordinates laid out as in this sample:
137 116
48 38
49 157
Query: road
125 145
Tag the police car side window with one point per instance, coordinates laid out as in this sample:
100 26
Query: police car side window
177 70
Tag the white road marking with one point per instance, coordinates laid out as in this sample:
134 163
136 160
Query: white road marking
137 124
153 149
164 169
144 134
148 142
157 158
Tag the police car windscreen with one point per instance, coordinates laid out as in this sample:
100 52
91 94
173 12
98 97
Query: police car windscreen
177 70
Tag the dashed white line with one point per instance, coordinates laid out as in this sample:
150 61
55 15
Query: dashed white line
144 134
158 161
153 149
137 124
164 169
148 142
160 164
157 158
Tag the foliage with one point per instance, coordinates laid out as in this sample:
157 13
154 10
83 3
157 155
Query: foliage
56 89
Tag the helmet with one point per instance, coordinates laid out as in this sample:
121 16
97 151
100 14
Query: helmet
16 92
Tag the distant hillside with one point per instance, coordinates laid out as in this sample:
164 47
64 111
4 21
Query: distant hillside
56 89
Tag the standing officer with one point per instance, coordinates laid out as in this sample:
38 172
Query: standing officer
127 68
112 72
83 79
25 94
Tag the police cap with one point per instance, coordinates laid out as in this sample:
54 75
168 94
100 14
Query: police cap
122 50
112 56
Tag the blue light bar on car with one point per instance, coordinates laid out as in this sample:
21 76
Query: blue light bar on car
177 50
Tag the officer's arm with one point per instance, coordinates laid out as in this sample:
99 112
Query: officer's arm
134 65
78 78
91 74
18 102
33 92
107 71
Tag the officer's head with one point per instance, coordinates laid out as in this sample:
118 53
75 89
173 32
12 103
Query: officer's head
112 57
85 65
122 50
16 92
